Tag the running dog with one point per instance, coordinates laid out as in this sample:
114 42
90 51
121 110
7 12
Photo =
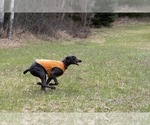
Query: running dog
51 68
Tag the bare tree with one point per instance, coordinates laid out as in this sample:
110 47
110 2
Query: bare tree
62 7
1 16
11 19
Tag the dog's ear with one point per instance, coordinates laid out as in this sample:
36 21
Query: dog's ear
68 58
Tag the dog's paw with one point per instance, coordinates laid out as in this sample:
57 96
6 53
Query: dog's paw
53 87
50 84
47 86
39 83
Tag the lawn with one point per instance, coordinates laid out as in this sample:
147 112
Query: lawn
114 74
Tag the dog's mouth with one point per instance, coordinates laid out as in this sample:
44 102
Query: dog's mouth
77 62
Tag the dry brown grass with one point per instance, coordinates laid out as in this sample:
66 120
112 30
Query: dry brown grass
131 21
7 43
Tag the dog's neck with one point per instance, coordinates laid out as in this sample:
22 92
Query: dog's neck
66 64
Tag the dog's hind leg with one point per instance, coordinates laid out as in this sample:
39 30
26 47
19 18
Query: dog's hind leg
43 80
47 84
40 73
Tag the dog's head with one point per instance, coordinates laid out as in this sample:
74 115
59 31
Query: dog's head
71 60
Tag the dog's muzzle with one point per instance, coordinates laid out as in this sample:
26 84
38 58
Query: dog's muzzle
77 61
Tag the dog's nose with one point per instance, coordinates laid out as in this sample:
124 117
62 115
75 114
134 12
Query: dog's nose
80 60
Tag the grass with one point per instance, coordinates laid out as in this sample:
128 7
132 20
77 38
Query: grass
114 75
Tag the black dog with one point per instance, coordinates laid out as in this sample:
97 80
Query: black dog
52 68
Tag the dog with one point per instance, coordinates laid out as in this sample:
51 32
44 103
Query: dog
51 68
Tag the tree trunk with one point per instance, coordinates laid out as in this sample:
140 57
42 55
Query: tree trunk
11 20
1 16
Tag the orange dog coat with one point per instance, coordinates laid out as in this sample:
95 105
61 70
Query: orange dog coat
48 65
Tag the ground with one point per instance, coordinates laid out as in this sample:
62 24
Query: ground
114 74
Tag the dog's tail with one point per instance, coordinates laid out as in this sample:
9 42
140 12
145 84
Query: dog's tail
26 71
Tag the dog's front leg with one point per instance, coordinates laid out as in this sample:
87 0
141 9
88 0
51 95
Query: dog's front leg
50 85
55 73
48 80
54 78
47 84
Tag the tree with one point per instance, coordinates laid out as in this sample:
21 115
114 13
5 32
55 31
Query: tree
103 19
1 16
104 14
11 20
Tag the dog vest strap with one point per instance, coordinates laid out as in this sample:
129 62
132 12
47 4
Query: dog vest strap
48 65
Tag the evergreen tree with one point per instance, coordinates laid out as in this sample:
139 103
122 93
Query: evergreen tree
104 15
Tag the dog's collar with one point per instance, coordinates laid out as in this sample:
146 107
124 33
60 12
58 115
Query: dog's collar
65 66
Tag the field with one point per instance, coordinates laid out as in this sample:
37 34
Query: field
113 77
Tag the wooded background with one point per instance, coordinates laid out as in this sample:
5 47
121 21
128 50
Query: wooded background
76 24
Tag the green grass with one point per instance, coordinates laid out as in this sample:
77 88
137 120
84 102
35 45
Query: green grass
114 75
